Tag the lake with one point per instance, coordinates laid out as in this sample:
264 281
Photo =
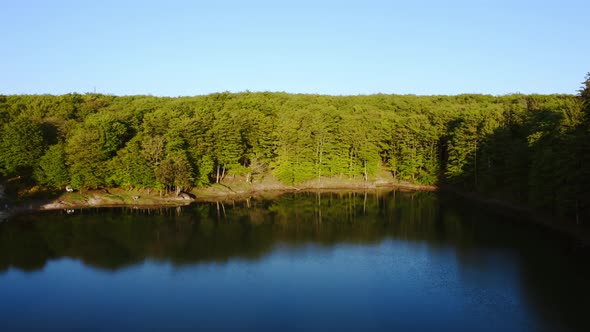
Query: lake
348 261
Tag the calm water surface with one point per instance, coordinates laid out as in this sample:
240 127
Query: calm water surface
386 261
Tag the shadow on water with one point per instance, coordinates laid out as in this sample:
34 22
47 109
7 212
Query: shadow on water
553 275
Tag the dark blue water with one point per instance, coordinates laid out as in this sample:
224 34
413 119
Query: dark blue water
305 262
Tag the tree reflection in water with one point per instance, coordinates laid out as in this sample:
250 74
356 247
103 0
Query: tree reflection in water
553 278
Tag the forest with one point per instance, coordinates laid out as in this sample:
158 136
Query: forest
531 150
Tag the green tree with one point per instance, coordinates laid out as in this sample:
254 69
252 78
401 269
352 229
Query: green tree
90 146
175 173
132 168
52 169
227 146
21 146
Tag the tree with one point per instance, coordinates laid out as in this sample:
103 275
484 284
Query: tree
228 146
175 172
90 146
21 146
132 168
295 148
582 134
52 169
85 159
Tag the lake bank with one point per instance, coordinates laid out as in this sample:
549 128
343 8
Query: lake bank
239 190
516 212
235 189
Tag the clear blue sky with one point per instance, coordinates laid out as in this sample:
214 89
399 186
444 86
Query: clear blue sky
171 48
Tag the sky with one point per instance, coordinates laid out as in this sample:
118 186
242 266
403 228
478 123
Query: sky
180 48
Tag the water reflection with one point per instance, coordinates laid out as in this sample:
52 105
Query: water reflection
440 249
217 231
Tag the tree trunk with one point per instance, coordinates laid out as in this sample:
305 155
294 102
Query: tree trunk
320 152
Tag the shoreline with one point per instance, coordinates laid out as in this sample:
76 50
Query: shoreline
208 195
520 213
118 197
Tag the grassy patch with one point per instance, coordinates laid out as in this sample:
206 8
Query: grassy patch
113 197
74 197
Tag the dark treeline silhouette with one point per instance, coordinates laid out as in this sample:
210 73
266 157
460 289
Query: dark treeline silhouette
531 150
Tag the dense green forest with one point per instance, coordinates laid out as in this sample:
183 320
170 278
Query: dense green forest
532 150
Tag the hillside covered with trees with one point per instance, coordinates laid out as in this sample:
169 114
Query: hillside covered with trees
532 150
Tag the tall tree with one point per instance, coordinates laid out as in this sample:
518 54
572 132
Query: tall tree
21 146
90 146
52 169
